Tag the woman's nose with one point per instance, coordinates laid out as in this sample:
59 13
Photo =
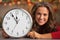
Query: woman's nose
41 17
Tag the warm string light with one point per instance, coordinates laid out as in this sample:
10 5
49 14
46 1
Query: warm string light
40 0
10 4
18 2
5 4
29 2
0 1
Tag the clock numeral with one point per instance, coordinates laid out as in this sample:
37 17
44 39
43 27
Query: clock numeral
5 22
22 13
23 32
17 33
11 14
7 28
28 22
26 27
26 17
16 12
8 18
12 31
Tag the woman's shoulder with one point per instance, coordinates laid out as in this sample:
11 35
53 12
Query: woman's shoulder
58 28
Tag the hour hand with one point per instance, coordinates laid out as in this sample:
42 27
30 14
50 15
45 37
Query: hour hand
13 16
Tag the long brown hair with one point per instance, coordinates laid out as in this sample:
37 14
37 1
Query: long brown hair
49 26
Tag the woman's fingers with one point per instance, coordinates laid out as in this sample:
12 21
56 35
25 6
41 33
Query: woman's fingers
31 34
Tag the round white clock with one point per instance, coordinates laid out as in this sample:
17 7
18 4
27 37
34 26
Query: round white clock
17 22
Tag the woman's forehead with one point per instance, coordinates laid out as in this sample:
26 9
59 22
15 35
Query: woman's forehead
42 9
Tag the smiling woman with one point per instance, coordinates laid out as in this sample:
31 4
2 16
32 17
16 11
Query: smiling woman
42 15
43 22
43 18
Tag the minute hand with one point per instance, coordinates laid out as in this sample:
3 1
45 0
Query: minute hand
14 27
15 20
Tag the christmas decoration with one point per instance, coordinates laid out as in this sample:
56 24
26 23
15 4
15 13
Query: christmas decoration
10 4
40 0
5 4
29 2
18 2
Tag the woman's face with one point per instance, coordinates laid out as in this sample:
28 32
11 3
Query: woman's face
41 15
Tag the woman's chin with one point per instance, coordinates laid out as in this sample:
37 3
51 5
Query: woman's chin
41 24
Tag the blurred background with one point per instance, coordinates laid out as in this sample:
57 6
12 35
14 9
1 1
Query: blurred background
6 5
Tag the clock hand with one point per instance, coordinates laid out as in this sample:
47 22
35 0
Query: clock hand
14 27
14 18
16 23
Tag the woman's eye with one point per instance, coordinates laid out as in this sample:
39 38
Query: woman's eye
45 14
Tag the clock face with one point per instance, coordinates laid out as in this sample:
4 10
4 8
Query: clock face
17 22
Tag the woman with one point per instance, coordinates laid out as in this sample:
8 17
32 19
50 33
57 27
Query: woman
43 22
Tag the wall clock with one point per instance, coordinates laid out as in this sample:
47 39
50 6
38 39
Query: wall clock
17 22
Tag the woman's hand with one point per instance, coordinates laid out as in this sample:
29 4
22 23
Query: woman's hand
31 34
34 34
